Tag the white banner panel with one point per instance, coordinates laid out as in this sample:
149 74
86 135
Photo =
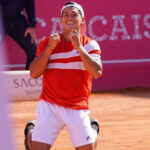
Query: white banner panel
22 86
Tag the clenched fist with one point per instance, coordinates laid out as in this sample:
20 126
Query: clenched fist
54 39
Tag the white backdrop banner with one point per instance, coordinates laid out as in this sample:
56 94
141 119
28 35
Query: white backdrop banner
22 86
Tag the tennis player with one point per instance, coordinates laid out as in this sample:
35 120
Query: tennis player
67 61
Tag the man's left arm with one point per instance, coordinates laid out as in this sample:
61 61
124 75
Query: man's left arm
91 63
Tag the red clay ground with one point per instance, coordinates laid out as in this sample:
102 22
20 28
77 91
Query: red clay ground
124 117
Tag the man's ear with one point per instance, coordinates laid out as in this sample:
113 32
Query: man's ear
83 27
83 20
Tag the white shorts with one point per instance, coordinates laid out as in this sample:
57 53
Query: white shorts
51 119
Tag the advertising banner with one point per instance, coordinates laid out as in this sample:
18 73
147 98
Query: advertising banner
122 29
22 86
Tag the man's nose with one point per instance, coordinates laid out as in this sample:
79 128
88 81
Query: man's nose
70 16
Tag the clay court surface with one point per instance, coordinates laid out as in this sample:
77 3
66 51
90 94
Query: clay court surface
124 117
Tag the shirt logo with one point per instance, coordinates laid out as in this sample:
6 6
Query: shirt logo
88 138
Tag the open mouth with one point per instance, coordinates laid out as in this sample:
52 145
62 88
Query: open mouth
70 24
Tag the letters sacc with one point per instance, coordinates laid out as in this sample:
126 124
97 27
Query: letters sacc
27 82
119 26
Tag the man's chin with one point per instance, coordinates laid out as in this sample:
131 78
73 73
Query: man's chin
70 29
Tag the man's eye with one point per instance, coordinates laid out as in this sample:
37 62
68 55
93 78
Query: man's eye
65 15
74 15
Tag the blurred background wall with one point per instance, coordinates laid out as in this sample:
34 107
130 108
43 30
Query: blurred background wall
121 27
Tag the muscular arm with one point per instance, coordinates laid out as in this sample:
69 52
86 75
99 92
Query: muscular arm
94 67
39 65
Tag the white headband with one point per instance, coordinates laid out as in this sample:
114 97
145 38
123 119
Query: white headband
74 5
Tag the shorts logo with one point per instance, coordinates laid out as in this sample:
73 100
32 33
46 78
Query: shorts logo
88 138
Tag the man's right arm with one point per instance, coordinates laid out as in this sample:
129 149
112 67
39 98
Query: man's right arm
39 64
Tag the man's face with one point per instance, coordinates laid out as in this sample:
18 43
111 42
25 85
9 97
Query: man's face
71 19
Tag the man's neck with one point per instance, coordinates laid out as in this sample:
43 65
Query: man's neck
65 36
